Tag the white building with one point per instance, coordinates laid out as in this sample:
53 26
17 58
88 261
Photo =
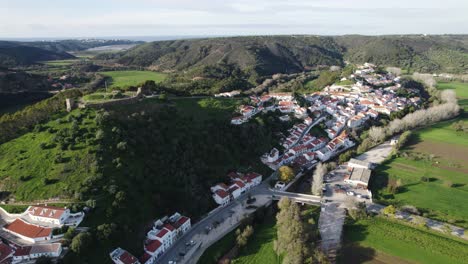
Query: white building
121 256
223 194
28 253
355 163
29 232
358 177
48 214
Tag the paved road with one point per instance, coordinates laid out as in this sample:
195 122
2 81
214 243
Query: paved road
221 221
331 221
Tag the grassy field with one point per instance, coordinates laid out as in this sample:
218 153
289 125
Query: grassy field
460 88
26 162
123 79
380 240
439 154
218 249
60 62
259 249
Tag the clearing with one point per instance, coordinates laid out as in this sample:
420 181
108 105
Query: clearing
124 79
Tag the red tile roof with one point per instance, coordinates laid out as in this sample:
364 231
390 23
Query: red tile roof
182 220
153 245
128 258
5 251
22 251
170 227
46 211
222 193
145 257
162 233
240 184
22 228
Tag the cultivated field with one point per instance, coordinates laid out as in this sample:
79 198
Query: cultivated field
384 241
124 79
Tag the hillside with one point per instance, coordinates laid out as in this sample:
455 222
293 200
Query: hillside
13 54
20 81
266 55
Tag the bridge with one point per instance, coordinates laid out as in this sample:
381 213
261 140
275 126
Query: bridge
296 197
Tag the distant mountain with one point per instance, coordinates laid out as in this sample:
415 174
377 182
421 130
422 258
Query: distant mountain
13 54
267 55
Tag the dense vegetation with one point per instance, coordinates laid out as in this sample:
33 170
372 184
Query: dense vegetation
13 54
268 55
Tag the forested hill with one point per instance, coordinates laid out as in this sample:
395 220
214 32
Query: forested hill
267 55
20 81
13 54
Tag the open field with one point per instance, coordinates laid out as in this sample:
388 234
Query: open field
380 240
123 79
60 62
439 154
259 249
461 89
34 166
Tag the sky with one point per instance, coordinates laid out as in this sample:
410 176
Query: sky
101 18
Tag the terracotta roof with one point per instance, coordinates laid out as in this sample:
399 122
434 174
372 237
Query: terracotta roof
252 175
153 245
22 228
240 184
222 193
182 220
169 226
22 251
5 251
162 233
46 211
145 257
128 258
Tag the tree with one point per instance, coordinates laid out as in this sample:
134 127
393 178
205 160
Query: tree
243 237
105 231
81 242
377 134
286 173
290 233
389 210
317 179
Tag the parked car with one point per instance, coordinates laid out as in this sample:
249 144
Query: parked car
280 185
350 193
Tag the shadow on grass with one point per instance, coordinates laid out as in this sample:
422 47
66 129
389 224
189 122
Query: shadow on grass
352 252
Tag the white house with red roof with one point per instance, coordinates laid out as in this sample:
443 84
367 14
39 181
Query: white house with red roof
48 214
121 256
154 249
29 232
223 194
163 234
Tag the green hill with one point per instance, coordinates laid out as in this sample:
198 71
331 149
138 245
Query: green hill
13 54
266 55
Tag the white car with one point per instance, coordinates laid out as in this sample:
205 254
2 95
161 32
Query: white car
280 185
350 193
